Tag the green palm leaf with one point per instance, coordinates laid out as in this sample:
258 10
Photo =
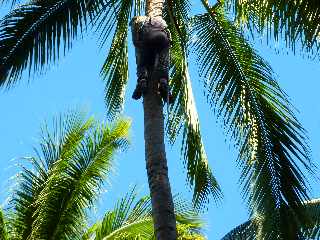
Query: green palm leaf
83 174
241 87
3 226
115 68
297 22
177 15
198 171
32 35
53 199
132 219
183 114
67 132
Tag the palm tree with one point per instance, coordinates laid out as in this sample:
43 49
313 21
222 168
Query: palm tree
62 182
240 86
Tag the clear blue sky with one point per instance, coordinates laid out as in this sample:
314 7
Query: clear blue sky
75 82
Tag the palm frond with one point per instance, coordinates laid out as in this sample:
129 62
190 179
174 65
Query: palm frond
127 220
247 230
62 139
115 68
55 143
199 173
297 22
176 14
183 114
75 157
132 219
242 89
189 223
3 226
75 182
33 35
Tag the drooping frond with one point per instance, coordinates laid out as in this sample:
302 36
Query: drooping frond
297 22
183 114
177 15
257 115
53 198
199 173
132 219
33 35
115 68
56 143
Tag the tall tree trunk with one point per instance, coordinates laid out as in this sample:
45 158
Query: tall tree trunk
155 154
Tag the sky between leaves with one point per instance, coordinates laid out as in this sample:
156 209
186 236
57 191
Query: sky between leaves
75 83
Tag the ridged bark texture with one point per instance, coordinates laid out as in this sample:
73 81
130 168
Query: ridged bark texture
161 197
155 154
154 8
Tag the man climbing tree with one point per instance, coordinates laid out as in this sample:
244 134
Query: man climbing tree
152 41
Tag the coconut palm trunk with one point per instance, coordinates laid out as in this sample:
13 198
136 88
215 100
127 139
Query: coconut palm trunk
155 154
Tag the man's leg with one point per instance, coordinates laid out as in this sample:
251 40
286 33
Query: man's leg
162 67
142 56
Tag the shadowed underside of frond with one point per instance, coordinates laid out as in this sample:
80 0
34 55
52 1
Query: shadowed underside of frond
312 229
256 113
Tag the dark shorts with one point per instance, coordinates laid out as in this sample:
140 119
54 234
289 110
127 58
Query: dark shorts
154 38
